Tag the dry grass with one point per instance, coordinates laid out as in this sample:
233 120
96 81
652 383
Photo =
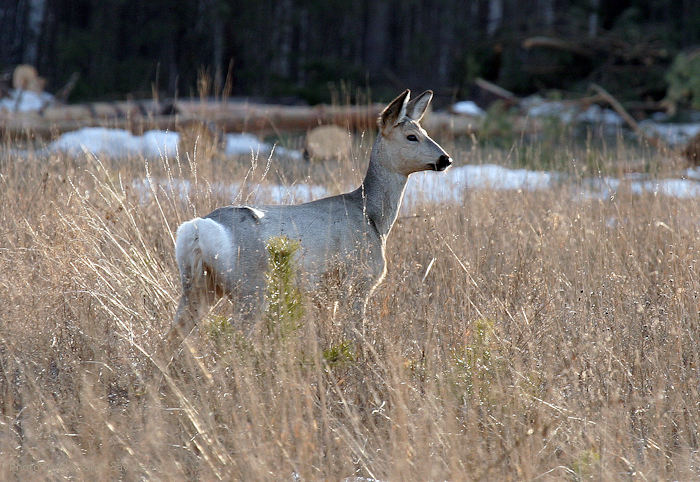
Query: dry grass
549 340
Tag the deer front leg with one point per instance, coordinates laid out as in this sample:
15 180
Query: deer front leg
363 282
358 299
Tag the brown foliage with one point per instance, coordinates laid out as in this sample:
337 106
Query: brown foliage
549 339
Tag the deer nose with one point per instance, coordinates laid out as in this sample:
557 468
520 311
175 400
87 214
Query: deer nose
443 163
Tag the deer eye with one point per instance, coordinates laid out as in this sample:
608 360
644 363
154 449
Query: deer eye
412 138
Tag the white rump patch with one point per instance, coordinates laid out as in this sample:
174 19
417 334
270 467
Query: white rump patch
258 214
208 239
216 246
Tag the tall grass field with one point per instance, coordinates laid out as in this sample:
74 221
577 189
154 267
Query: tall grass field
518 336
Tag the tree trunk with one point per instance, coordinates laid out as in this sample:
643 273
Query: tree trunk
35 23
303 46
495 17
284 41
377 34
547 8
218 53
446 35
593 19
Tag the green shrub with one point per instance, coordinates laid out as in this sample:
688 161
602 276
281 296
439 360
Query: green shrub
683 79
285 307
340 354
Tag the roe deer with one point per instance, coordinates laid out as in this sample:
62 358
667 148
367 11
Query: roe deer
224 253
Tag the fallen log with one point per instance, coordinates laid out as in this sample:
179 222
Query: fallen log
226 116
558 44
622 112
442 123
499 92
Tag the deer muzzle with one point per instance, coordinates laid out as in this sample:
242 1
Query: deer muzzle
443 163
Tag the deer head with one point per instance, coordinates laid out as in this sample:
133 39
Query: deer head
405 146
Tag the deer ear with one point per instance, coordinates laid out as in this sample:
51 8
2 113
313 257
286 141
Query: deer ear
416 108
395 111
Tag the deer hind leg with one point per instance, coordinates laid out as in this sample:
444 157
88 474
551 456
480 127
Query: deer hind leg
200 243
189 312
197 294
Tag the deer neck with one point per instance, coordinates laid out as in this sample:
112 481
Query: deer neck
381 191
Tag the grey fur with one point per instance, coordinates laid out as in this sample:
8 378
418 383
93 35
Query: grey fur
224 253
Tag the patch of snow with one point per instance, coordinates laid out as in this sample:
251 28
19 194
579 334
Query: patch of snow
159 143
249 144
431 187
536 106
672 134
568 112
242 144
155 143
117 142
298 193
693 173
597 115
450 186
289 153
26 101
468 107
175 188
260 194
607 188
660 117
596 188
503 179
677 188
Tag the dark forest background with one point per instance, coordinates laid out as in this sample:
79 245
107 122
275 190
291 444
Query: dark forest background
294 48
